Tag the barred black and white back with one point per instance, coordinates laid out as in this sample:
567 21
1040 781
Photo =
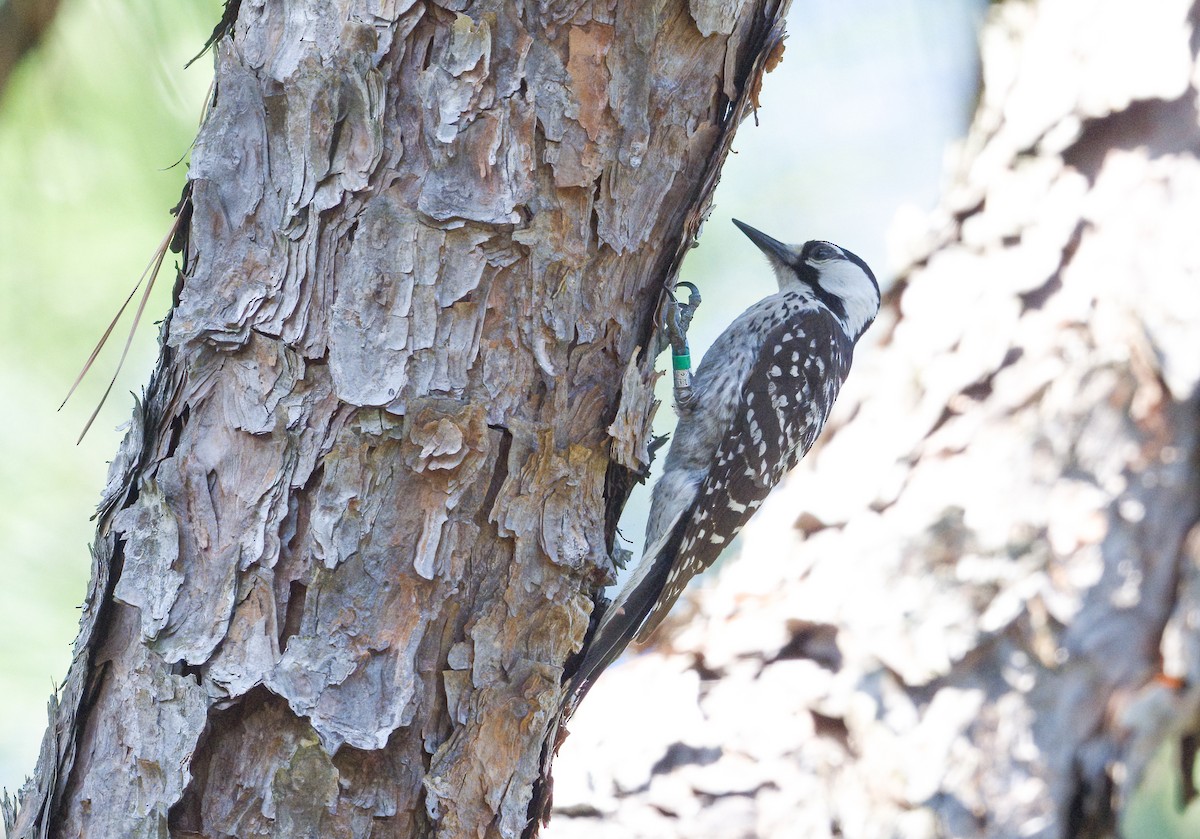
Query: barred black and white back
761 396
785 403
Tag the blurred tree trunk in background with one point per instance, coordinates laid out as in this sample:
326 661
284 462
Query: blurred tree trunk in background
352 534
23 23
977 613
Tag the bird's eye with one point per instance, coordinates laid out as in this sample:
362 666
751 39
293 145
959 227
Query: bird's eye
823 252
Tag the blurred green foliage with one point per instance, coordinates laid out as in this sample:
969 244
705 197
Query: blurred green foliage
90 125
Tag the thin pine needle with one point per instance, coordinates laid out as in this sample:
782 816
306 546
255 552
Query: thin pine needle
212 86
148 277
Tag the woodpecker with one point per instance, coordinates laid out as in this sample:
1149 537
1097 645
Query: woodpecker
758 401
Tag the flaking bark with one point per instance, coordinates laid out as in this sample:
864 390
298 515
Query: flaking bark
356 525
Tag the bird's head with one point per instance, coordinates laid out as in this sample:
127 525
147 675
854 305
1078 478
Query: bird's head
838 278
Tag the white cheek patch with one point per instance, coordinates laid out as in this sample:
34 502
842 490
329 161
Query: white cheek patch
847 281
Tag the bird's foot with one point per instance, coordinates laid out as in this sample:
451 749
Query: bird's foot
678 319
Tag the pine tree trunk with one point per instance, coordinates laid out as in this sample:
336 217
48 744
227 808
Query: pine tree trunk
356 526
977 616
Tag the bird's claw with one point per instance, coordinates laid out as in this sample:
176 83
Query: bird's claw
678 317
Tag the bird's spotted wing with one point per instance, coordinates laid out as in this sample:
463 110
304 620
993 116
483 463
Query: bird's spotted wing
784 404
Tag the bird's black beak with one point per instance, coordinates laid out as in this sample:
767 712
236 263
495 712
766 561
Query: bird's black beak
773 248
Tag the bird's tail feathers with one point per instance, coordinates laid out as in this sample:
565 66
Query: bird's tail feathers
624 616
